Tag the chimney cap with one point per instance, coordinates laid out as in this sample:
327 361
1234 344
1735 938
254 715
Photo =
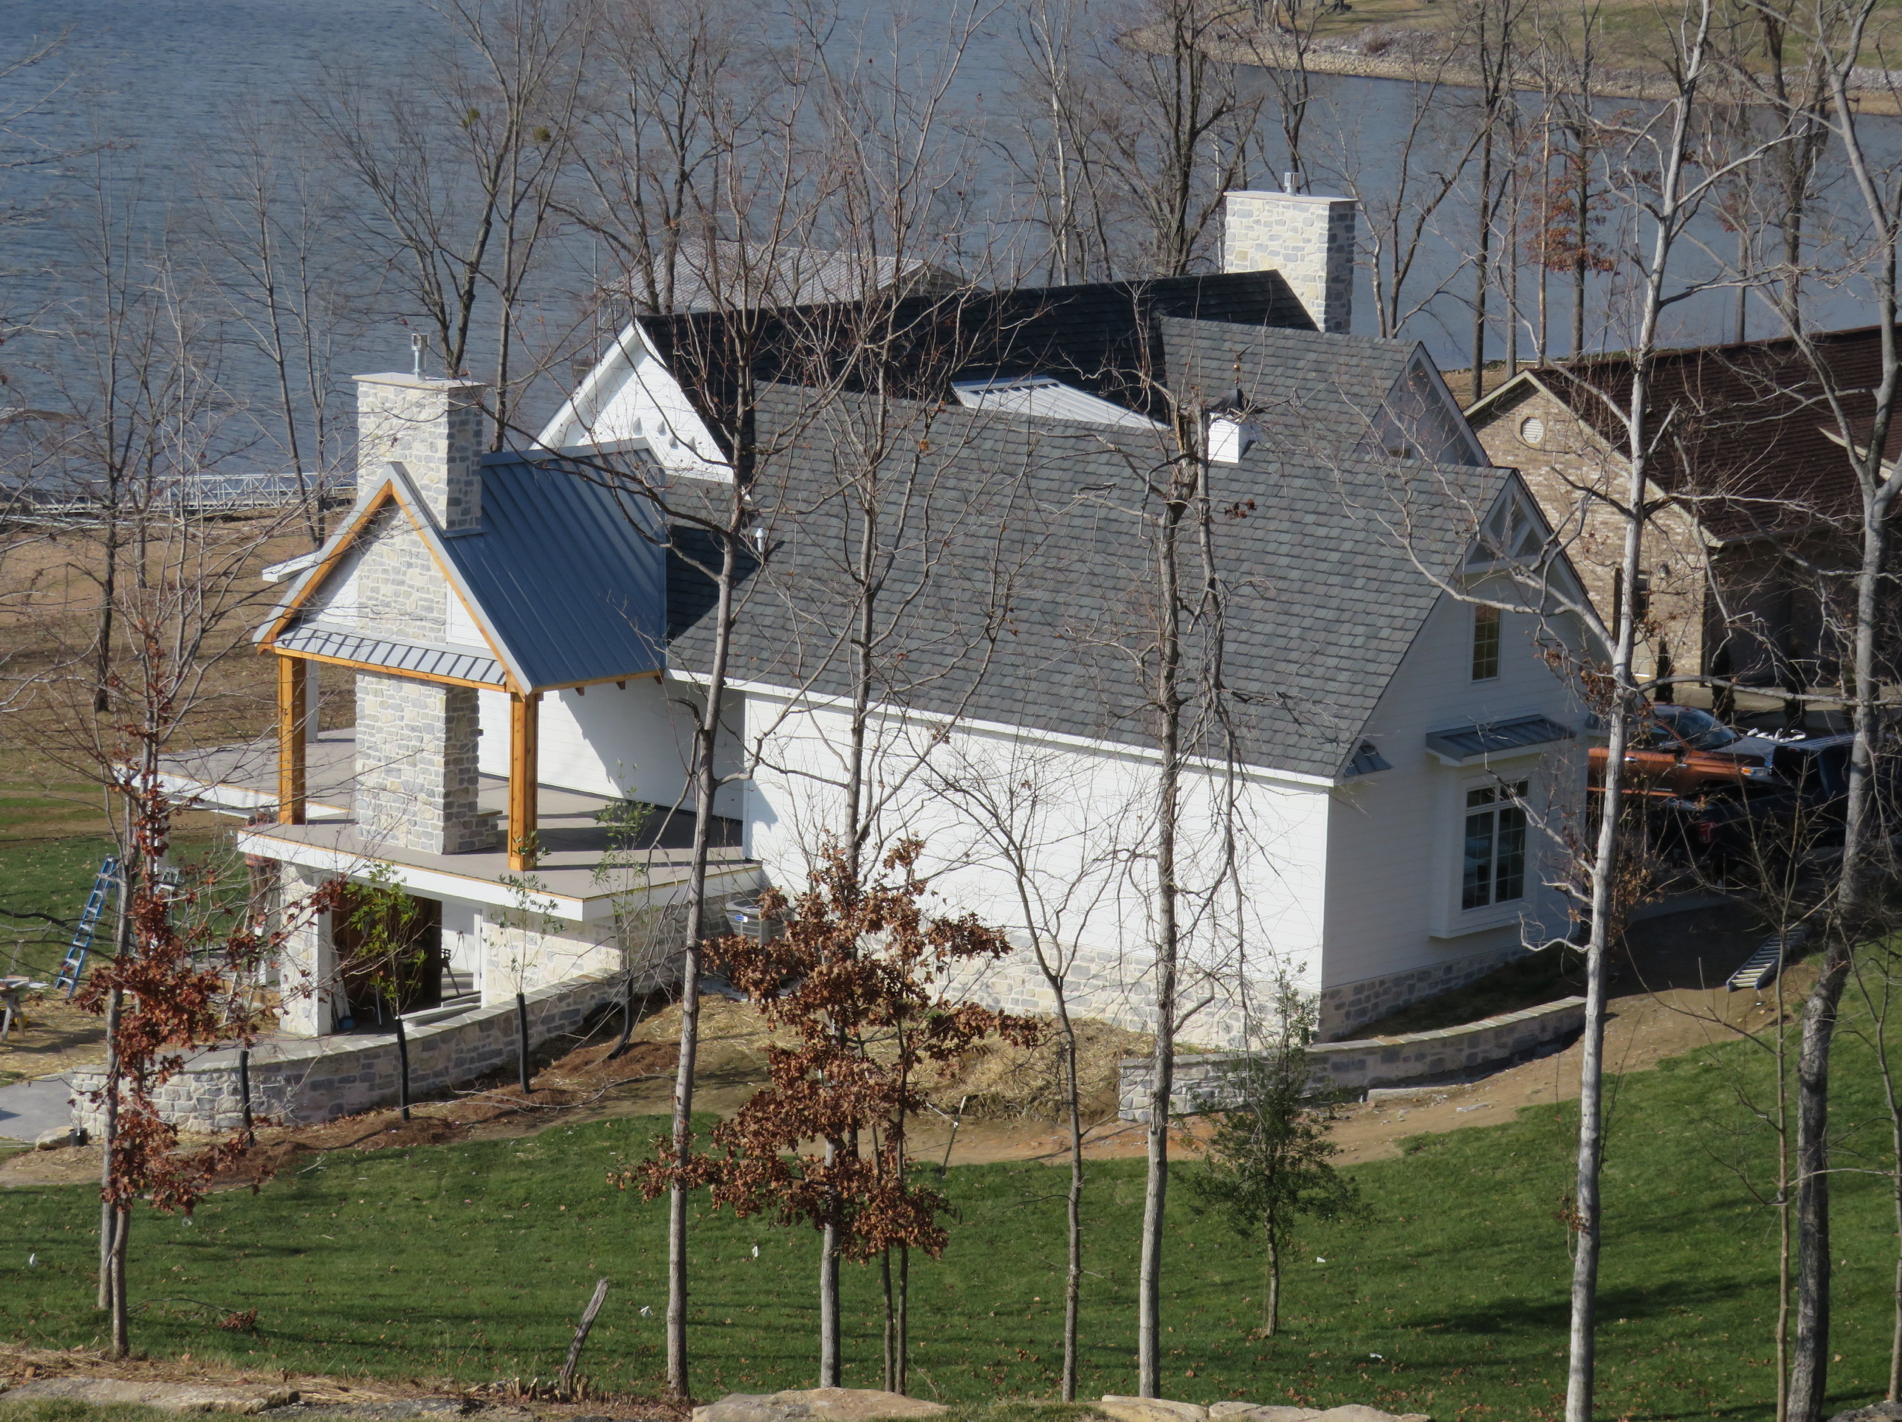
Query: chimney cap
418 382
1277 195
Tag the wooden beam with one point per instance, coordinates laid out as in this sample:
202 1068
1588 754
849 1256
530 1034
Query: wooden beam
293 706
524 771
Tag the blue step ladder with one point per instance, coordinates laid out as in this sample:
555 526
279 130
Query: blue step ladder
70 970
1762 967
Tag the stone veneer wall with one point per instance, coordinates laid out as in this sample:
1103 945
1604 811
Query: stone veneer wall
1110 987
300 1082
1348 1005
1569 457
1354 1066
417 767
400 591
433 428
1308 239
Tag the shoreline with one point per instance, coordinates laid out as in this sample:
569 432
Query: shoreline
1450 73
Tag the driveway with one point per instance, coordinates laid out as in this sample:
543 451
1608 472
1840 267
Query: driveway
29 1109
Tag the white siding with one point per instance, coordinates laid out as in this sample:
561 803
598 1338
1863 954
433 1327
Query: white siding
1084 814
633 741
461 627
1394 840
631 395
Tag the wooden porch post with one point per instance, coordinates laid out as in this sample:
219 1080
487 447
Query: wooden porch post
524 770
293 705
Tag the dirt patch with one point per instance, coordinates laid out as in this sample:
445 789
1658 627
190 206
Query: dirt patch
55 1037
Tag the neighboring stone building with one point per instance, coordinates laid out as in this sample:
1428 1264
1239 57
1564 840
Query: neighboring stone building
1753 496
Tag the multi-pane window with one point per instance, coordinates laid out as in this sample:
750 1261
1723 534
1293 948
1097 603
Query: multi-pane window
1485 643
1494 871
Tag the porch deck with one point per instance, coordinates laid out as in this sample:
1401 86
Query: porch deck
578 876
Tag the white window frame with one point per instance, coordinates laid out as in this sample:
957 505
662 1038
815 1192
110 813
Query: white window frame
1449 918
1472 643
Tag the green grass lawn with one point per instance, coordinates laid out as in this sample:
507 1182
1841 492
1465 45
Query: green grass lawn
471 1262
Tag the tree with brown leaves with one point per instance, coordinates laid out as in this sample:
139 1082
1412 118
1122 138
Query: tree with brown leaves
854 973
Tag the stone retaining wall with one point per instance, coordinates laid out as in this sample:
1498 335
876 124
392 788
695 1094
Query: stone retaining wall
303 1082
1348 1067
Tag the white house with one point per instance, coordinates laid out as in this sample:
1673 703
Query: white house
1368 794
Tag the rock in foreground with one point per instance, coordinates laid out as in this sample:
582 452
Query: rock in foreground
1875 1412
169 1397
819 1404
1155 1409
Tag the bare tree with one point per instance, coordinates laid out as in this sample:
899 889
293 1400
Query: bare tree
1661 193
1159 127
459 176
266 240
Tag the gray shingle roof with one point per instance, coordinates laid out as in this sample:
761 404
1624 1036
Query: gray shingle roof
1316 393
1019 585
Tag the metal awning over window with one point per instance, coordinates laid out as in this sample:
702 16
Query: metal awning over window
1465 745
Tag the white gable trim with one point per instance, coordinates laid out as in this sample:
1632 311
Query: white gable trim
633 372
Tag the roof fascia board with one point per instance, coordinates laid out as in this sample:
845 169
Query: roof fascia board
793 696
339 544
1497 395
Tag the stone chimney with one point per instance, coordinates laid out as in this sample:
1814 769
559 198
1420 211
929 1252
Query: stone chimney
433 428
417 777
1306 237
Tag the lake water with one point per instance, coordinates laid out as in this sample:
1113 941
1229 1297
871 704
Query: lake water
159 79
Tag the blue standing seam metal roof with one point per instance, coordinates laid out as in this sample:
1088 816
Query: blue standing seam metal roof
1464 743
422 658
565 574
569 573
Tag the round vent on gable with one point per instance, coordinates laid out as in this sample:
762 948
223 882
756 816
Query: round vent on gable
1532 430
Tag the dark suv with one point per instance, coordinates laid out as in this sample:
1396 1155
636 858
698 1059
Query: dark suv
1799 810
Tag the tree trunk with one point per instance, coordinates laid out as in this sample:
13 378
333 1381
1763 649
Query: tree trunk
829 1295
521 1042
1809 1377
1169 709
706 782
109 1128
903 1388
1809 1374
891 1320
1271 1310
1073 1280
122 1226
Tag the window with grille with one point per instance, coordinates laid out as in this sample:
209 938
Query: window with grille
1485 643
1494 870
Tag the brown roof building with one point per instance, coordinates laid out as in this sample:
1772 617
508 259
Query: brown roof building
1752 493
